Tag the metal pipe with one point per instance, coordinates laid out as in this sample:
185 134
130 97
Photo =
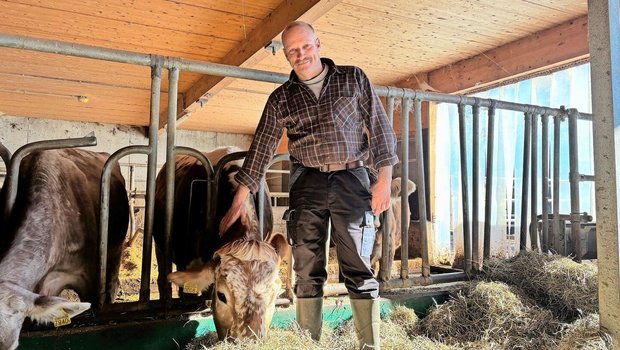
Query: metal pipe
104 211
555 229
132 202
419 148
78 50
404 173
525 182
12 174
423 281
5 154
387 257
489 182
545 184
173 86
151 175
573 177
534 186
464 189
475 239
261 194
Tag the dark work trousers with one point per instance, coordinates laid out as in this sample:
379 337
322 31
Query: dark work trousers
344 196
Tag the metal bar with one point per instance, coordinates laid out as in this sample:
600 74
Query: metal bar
151 175
12 174
5 154
525 183
132 202
534 186
261 208
387 257
573 178
419 148
555 229
87 51
583 177
545 183
475 189
173 86
423 281
464 189
104 212
404 173
489 183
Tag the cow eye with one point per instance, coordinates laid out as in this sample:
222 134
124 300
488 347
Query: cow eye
221 297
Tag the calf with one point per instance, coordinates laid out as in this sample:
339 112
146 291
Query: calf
51 239
393 215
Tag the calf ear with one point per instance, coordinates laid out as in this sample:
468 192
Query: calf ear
279 243
395 187
201 279
411 187
47 308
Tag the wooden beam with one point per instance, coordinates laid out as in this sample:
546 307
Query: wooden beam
546 50
251 51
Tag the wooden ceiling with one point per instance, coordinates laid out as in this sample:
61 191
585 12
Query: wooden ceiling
446 45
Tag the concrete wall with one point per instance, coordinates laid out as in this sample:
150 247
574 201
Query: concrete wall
18 131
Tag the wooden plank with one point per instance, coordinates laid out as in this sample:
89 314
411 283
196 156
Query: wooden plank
57 107
55 24
184 18
548 49
251 50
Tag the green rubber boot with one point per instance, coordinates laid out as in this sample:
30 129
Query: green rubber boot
309 314
367 319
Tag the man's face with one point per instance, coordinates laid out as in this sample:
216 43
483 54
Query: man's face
302 48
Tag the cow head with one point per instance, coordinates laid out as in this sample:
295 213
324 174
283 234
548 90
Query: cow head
245 275
17 303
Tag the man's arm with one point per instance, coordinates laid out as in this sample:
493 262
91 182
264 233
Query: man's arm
381 190
236 209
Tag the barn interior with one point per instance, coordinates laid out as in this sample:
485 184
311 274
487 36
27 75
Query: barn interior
444 47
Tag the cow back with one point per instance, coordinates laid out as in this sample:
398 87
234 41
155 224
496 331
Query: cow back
56 215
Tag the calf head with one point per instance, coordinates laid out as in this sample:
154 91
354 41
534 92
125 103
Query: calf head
245 275
17 303
393 214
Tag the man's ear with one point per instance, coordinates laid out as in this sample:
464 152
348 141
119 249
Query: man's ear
47 308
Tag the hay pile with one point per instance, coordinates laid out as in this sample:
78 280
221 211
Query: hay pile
567 288
491 312
394 335
584 333
526 302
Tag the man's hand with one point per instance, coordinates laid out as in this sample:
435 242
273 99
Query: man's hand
237 209
381 190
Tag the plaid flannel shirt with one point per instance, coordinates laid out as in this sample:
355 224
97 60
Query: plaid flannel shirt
335 128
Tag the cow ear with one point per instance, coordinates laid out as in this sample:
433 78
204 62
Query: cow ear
279 243
48 308
200 279
411 187
395 187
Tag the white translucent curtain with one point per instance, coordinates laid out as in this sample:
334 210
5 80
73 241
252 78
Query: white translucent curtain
570 88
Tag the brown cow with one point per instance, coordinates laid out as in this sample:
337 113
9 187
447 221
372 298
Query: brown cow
393 214
52 238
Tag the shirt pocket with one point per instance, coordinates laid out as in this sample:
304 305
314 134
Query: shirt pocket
345 111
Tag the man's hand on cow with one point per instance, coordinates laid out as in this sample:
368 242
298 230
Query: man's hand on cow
237 209
381 190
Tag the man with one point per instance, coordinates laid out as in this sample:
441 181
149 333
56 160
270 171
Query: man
334 121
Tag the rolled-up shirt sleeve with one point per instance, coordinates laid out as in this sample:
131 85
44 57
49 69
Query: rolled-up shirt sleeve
382 137
266 139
